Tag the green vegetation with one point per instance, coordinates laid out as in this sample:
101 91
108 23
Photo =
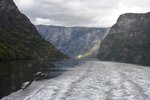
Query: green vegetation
90 53
16 47
19 39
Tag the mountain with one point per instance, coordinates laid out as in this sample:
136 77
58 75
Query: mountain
73 41
19 39
128 40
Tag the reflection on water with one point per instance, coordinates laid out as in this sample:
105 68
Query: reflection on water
14 74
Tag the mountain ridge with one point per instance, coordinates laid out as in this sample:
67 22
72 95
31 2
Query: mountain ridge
19 38
128 40
72 41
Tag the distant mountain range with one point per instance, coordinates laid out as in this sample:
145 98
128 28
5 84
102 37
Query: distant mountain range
19 39
77 42
128 40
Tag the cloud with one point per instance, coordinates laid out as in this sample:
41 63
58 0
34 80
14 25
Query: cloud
98 13
39 21
25 4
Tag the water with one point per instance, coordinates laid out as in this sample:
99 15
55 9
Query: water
14 74
89 80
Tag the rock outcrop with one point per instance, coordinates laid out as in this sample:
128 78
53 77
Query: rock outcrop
73 41
128 40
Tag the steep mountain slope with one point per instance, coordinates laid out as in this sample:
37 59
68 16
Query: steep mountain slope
19 39
128 40
73 41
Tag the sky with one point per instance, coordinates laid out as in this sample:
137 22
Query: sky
89 13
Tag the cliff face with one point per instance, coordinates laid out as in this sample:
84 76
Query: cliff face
73 41
19 39
128 40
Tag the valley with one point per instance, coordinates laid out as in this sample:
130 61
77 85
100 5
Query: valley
52 62
74 41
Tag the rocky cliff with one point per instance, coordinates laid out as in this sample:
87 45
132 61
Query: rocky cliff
19 39
73 41
128 40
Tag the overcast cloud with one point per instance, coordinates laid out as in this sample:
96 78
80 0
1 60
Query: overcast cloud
92 13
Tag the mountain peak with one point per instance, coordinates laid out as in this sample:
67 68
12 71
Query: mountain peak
133 16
